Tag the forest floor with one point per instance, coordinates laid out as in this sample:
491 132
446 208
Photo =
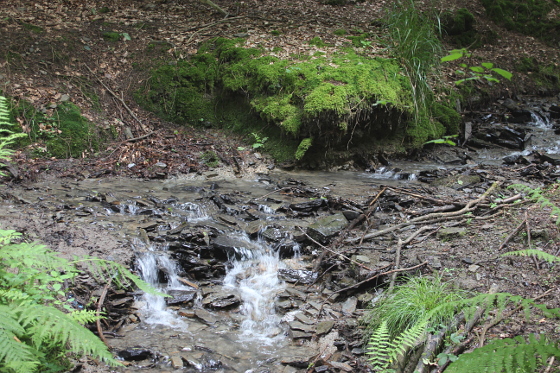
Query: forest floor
67 58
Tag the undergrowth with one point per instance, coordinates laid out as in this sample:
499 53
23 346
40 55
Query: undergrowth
40 331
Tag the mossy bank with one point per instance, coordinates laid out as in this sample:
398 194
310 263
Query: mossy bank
314 109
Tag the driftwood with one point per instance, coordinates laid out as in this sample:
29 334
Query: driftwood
430 218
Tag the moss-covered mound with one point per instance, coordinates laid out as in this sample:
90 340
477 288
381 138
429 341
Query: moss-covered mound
65 133
317 102
532 18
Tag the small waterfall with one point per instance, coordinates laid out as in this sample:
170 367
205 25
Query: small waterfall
255 276
152 264
540 121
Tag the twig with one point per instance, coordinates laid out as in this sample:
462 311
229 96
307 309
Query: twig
397 264
334 252
433 200
470 206
377 275
551 362
528 230
98 314
118 98
508 238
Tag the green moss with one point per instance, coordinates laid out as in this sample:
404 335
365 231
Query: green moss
459 25
33 28
275 32
528 17
319 98
111 36
317 41
544 76
448 117
210 158
302 148
340 32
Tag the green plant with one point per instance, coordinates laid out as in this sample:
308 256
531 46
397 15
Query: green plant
414 42
259 141
400 320
7 135
39 328
444 140
541 255
519 354
477 72
536 194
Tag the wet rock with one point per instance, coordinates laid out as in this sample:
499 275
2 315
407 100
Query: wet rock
296 325
226 247
135 354
322 368
349 306
297 361
326 228
221 299
342 366
309 206
205 316
304 319
299 276
273 234
447 233
551 158
180 296
254 227
350 215
230 220
324 327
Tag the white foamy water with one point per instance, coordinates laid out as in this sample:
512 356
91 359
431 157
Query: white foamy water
151 262
255 276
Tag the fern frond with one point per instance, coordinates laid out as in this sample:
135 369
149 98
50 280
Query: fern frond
510 355
380 347
85 316
541 255
49 326
12 295
106 271
11 348
408 338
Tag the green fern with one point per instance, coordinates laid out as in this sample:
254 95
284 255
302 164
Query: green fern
536 194
541 255
380 347
509 355
7 136
35 335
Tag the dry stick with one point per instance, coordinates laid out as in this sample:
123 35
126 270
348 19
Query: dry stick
118 98
375 276
499 319
508 238
98 314
402 191
528 230
434 341
547 370
210 25
397 264
334 252
470 206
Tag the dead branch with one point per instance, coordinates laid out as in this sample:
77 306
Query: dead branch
470 206
397 264
98 314
118 98
215 6
433 200
377 275
511 235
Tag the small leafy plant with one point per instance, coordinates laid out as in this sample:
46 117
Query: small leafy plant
259 141
444 140
484 71
7 135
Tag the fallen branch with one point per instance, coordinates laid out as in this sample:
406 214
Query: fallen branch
397 264
98 314
470 206
118 98
377 275
511 235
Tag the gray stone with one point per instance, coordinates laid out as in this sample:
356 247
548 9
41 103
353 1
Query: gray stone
299 276
176 362
342 366
324 327
349 305
304 319
326 228
451 232
363 259
205 316
296 325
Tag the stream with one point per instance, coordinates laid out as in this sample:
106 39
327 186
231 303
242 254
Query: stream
232 255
